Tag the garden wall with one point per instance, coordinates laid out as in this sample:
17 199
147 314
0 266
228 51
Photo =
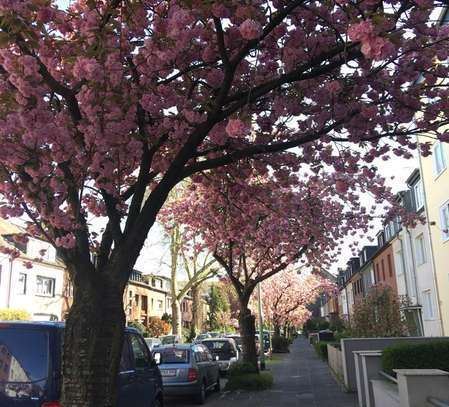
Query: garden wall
349 345
335 360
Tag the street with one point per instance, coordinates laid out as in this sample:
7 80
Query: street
300 380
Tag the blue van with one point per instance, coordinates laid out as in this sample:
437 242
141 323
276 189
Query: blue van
30 367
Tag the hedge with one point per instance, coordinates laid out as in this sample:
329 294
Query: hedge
280 344
321 348
250 381
431 355
14 315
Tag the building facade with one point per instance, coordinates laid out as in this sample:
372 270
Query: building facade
435 194
35 286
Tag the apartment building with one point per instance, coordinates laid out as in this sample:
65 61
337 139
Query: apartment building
36 286
435 203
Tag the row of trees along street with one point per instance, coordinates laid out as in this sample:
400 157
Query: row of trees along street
278 112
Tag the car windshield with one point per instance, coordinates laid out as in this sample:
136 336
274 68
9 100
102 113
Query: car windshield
23 355
173 355
238 340
218 346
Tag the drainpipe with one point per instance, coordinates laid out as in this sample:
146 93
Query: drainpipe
404 266
8 304
413 263
414 277
432 253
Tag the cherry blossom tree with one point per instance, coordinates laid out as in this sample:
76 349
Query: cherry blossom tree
260 226
107 105
286 297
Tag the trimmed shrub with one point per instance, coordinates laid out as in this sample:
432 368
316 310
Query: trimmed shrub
14 315
280 344
431 355
321 349
242 368
250 381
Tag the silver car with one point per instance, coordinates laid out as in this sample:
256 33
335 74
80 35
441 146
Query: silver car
224 350
153 343
187 369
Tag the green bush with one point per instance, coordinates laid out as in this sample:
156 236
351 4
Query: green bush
14 315
321 349
315 325
431 355
140 327
280 344
242 368
250 381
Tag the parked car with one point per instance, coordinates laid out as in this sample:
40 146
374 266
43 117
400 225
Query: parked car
201 337
214 334
169 339
188 369
224 350
153 343
238 341
30 357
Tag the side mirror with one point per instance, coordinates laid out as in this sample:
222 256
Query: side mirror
157 358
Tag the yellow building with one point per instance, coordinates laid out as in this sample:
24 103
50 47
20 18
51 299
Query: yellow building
435 176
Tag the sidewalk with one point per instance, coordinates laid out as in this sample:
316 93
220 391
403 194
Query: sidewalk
301 379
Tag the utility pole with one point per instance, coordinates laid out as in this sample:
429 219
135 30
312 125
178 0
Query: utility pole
261 338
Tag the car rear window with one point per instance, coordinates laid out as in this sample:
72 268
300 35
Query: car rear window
218 346
23 355
174 356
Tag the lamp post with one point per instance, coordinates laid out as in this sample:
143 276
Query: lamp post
261 338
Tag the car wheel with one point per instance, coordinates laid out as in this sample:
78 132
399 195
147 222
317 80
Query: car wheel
201 398
217 387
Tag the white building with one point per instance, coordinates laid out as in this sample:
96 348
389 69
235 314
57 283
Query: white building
415 273
27 284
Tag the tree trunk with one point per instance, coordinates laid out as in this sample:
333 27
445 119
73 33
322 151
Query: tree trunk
247 325
197 317
93 342
176 317
277 330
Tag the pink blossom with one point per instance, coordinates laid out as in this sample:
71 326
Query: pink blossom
236 128
334 87
67 242
361 31
250 29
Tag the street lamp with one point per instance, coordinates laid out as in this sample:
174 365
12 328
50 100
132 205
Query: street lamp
261 338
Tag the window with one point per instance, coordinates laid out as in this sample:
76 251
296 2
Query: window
140 352
22 284
153 282
45 286
439 159
152 303
383 269
160 304
136 299
429 312
420 250
418 193
399 262
444 214
390 266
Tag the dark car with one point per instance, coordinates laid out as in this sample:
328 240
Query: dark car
224 350
188 369
30 367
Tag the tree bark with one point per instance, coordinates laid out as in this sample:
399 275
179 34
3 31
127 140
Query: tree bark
247 325
196 309
176 317
93 340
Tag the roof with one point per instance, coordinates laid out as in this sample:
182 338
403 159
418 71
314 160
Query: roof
8 228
